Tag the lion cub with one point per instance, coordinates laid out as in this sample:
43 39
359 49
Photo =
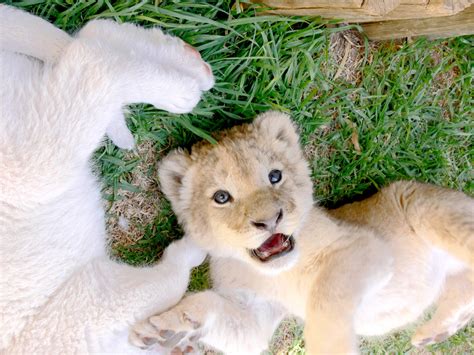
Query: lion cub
366 268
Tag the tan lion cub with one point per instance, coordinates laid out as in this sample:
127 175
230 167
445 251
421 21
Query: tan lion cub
366 268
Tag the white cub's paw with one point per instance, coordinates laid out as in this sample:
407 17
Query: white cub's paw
177 53
181 96
186 250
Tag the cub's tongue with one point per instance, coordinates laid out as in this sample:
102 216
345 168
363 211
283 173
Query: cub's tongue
276 244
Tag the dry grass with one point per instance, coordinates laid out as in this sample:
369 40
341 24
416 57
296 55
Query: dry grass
288 338
347 52
444 78
128 215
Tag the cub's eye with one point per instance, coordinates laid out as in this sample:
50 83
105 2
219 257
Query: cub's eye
222 197
274 176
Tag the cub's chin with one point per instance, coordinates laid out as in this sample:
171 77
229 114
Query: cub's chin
276 254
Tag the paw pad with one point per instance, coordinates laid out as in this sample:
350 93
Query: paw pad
178 351
165 334
149 341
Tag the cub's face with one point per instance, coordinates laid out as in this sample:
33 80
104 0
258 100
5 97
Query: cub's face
245 197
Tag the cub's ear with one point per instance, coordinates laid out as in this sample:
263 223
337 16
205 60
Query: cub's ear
277 126
171 172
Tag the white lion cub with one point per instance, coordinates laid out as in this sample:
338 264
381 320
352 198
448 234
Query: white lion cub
59 291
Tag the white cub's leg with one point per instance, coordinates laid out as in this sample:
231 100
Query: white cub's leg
234 322
163 49
104 299
135 62
81 95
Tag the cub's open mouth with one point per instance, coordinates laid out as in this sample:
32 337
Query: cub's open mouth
275 246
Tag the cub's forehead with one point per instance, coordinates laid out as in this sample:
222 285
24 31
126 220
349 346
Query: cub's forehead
245 160
240 154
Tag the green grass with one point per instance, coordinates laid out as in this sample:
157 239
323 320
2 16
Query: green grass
412 109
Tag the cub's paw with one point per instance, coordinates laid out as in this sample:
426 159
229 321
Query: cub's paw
421 340
178 329
433 332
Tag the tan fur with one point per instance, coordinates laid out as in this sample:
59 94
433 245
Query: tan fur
366 268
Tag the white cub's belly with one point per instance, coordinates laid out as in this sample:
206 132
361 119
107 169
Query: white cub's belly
402 297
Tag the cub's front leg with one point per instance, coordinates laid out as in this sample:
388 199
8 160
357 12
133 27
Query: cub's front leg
343 279
236 322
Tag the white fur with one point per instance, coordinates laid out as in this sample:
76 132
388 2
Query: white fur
59 291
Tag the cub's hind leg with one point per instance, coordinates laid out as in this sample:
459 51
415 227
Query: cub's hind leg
455 308
441 216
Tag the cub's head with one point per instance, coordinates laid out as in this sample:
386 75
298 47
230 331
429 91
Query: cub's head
245 197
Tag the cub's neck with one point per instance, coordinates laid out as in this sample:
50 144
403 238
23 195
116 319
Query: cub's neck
321 233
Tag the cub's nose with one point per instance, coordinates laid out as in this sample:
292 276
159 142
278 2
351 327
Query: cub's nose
269 224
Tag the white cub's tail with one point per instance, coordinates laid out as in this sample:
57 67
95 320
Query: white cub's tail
23 33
